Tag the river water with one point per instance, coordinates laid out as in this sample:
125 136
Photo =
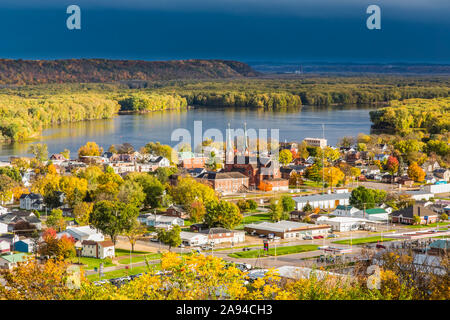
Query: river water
139 129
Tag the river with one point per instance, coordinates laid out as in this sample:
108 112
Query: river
139 129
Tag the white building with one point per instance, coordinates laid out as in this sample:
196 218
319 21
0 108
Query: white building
222 235
374 214
160 221
345 211
342 224
82 233
3 227
438 188
97 249
3 211
316 142
193 239
323 201
5 246
420 195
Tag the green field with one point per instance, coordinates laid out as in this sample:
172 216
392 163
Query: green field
140 258
280 251
125 252
363 240
260 217
431 225
91 263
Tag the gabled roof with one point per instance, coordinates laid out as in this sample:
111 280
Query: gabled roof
13 258
32 196
222 175
342 207
415 210
375 211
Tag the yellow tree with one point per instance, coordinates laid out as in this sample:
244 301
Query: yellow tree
74 188
415 172
332 175
82 211
90 149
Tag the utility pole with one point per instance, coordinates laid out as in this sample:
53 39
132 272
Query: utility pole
323 161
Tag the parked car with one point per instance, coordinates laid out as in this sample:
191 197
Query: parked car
181 246
276 238
307 238
154 240
318 237
332 236
262 236
270 236
380 246
246 249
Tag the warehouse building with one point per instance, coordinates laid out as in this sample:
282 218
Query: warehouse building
287 229
324 201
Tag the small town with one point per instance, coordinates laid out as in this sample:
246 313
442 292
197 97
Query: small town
312 209
227 158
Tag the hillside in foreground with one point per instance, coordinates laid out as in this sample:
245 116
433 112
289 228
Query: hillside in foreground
22 72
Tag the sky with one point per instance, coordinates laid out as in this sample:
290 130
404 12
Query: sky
246 30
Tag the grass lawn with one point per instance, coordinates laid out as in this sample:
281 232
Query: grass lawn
312 184
90 263
125 252
121 273
431 225
140 258
280 251
260 217
363 240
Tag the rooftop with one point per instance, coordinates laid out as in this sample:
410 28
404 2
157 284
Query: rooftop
322 197
280 226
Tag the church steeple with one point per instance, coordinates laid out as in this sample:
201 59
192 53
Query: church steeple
246 150
229 146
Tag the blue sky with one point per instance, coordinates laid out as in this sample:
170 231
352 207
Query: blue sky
248 30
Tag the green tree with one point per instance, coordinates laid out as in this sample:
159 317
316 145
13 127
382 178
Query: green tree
170 237
113 218
39 151
56 220
223 214
285 157
288 203
252 205
276 210
131 192
362 197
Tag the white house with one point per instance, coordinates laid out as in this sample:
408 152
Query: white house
375 214
3 211
3 227
193 239
345 211
323 201
83 233
97 249
31 201
163 221
5 246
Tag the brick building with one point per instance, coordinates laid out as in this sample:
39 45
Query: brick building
225 182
